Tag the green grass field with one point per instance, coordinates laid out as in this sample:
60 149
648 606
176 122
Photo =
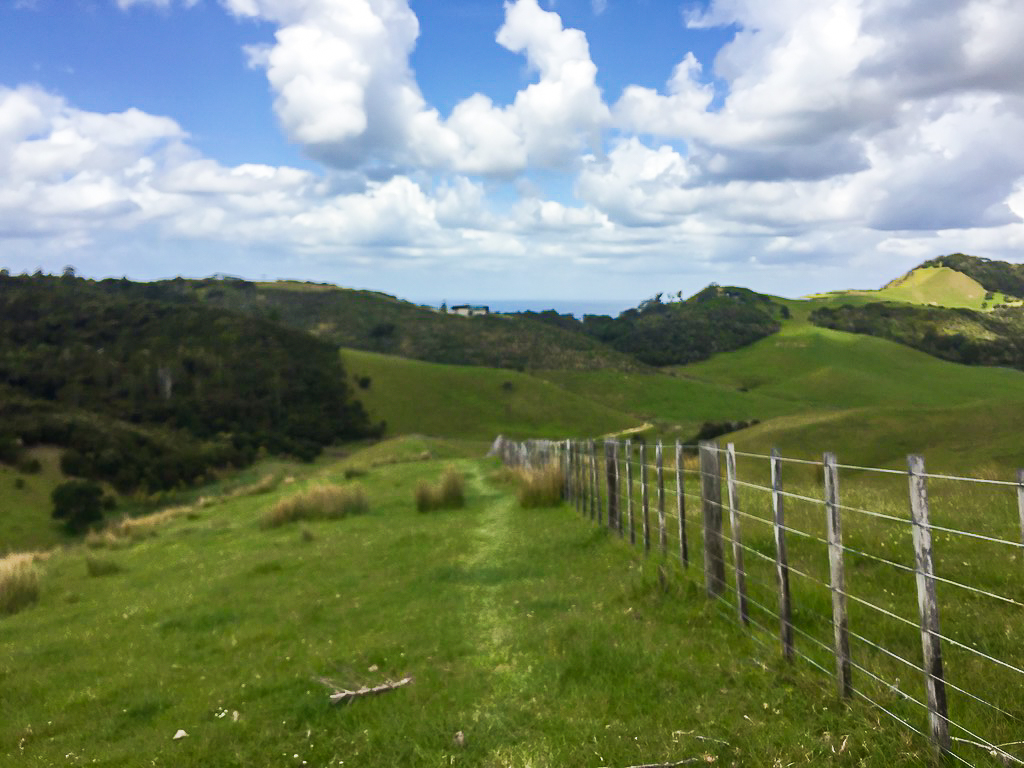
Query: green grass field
936 286
544 641
473 401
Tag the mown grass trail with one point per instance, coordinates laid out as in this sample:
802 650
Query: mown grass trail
547 642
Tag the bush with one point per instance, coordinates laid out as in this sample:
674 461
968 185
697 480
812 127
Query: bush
79 503
19 583
450 493
321 502
541 487
29 466
97 566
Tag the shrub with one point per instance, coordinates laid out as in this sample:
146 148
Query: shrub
541 487
351 472
19 583
98 566
450 493
79 503
19 483
321 502
29 465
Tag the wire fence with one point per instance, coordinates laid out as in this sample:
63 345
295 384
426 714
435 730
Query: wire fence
848 581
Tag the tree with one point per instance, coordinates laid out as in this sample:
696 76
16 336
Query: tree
79 503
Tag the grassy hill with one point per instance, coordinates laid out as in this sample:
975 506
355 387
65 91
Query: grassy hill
541 639
933 286
474 402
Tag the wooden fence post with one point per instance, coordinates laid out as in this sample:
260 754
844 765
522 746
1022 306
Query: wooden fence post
629 491
597 487
644 501
711 501
837 578
928 605
567 463
737 539
1020 501
613 491
618 489
592 461
781 559
684 555
580 490
662 530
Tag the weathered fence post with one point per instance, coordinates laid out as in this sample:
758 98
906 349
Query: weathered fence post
592 461
618 488
644 500
711 501
580 491
662 530
837 578
781 559
735 527
1020 501
613 490
597 487
629 491
684 555
567 462
928 605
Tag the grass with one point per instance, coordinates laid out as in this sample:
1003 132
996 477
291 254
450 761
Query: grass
19 583
538 487
543 640
25 521
100 566
473 401
448 493
320 502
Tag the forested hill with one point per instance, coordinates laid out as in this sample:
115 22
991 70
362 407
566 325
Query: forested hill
659 332
377 322
224 384
994 276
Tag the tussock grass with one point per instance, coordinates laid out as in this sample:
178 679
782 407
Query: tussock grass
132 529
99 566
542 487
449 493
321 502
19 582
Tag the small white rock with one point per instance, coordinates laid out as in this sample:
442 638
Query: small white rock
373 668
180 735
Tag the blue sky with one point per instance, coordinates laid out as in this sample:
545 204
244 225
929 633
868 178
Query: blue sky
575 152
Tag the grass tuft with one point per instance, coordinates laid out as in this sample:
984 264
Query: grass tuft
543 487
450 493
19 583
321 502
99 566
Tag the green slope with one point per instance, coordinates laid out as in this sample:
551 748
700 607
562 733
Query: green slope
473 401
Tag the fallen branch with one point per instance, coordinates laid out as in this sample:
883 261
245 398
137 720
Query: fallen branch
687 761
342 695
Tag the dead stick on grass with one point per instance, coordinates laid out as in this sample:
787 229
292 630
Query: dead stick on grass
687 761
342 695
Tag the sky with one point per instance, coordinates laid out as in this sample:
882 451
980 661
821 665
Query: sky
564 153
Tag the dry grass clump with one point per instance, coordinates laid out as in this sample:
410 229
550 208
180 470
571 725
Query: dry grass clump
450 493
19 582
543 487
321 502
128 530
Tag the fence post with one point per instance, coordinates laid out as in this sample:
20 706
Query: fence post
711 501
928 605
1020 501
578 451
781 559
618 488
597 486
629 491
644 501
837 578
567 459
609 471
592 463
684 555
737 538
662 531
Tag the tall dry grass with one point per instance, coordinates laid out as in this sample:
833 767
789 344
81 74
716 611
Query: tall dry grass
543 487
19 582
321 502
131 529
449 493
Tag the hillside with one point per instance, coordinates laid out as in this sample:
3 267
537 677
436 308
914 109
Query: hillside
153 393
993 276
412 396
376 322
